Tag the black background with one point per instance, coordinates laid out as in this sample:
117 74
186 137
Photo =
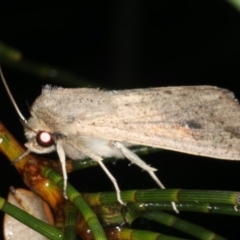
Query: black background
121 45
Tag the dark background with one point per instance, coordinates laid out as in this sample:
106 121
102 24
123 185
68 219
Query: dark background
121 45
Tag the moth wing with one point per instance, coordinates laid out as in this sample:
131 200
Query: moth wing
200 120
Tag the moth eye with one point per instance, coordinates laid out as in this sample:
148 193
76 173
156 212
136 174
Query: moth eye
44 139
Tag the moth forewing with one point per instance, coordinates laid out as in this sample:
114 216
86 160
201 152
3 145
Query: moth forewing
200 120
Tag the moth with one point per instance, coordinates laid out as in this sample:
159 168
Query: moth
87 122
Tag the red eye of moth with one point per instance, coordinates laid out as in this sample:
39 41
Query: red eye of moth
44 139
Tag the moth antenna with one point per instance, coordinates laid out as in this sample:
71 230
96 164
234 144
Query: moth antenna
11 97
25 125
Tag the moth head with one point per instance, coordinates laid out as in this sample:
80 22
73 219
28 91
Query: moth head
39 136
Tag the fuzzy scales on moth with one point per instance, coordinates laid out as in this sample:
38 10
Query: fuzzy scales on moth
200 120
70 114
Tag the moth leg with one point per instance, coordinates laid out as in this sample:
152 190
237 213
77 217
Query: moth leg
62 158
21 157
98 159
138 161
